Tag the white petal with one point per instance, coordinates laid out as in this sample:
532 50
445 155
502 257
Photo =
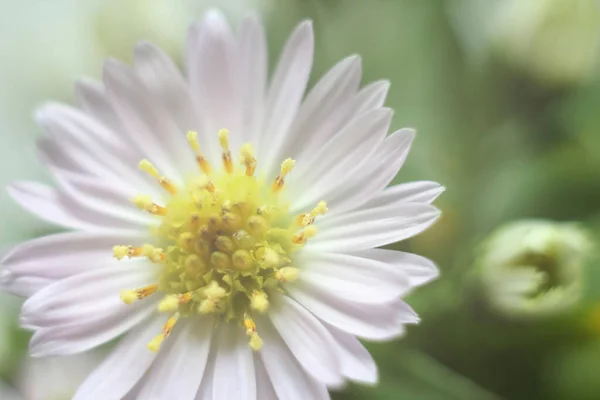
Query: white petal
264 388
369 321
215 80
23 286
357 363
340 159
373 175
147 122
358 278
163 79
70 298
234 367
59 256
122 369
364 229
370 97
413 192
90 147
307 339
205 392
58 208
92 98
179 368
289 379
287 88
321 113
83 333
417 269
253 77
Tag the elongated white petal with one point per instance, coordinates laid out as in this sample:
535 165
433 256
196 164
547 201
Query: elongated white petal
369 321
65 254
213 69
126 364
363 279
287 376
234 367
308 340
320 114
340 158
147 122
370 97
205 391
179 368
72 333
413 192
286 90
364 229
357 363
374 175
418 270
58 208
264 388
92 99
253 77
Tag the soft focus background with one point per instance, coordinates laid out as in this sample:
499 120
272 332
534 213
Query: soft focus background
505 96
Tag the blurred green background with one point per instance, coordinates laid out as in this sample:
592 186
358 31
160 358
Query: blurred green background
505 96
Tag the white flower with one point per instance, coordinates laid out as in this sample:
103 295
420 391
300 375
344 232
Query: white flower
236 277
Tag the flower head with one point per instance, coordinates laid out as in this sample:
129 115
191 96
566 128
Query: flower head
534 267
243 222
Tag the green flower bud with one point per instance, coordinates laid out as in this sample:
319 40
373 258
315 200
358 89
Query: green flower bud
534 266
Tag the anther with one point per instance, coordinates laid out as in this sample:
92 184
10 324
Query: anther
309 218
144 202
307 233
192 138
172 302
248 159
259 301
129 296
224 141
287 274
154 254
155 343
232 221
255 341
148 168
286 167
121 252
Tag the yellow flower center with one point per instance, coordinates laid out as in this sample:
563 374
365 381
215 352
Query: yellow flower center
225 242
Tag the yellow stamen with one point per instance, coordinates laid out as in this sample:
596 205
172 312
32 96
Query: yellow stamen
155 343
307 233
144 202
248 159
214 291
287 274
148 168
192 138
129 296
309 218
121 252
154 254
259 301
172 302
224 141
255 342
286 167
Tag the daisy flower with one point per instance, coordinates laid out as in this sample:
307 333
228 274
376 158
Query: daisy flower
226 228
